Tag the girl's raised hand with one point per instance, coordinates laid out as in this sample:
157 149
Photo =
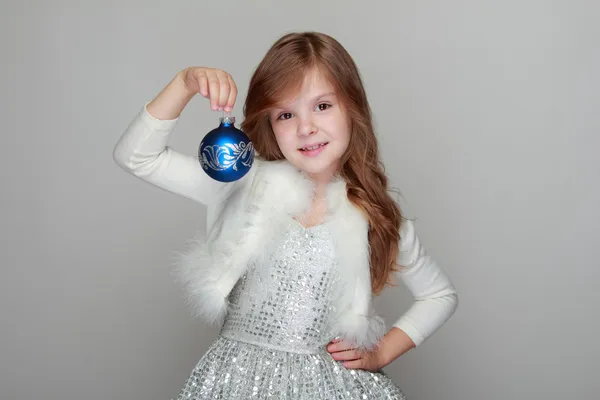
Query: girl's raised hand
214 84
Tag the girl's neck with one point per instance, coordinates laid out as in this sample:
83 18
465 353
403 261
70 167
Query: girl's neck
318 210
322 181
321 187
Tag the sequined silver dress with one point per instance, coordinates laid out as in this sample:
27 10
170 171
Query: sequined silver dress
272 344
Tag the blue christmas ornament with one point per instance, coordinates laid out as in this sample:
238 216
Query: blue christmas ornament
226 153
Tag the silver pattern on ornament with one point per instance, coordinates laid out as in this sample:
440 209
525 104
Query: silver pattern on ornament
223 157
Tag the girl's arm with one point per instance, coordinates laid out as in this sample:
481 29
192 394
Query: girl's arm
435 302
435 297
142 150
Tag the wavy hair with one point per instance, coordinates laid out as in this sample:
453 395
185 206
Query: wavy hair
282 71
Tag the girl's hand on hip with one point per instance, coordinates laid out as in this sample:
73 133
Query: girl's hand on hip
355 359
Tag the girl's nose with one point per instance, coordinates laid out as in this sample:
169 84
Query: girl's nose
306 127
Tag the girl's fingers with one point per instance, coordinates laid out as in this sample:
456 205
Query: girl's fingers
224 89
214 90
232 95
202 84
339 346
348 355
216 85
354 364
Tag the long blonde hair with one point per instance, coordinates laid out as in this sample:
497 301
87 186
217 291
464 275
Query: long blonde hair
281 72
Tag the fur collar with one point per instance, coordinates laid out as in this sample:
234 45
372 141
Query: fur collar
244 227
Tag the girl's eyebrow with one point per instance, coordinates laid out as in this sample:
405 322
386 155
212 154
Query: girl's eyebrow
283 106
325 95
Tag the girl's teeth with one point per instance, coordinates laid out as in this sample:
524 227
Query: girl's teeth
312 148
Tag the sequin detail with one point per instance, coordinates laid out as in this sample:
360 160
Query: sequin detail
272 343
287 304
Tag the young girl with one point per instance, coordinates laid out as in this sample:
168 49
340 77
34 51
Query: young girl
294 250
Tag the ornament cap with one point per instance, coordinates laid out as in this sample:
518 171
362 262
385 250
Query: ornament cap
227 119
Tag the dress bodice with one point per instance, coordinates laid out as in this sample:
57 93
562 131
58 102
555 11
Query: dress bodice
286 302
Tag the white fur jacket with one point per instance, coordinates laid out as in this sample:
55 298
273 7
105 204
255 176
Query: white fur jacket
252 216
244 215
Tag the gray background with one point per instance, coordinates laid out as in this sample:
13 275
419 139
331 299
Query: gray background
487 113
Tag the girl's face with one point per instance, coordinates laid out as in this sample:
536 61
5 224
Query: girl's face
312 128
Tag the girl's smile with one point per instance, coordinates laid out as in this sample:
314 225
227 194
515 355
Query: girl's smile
313 150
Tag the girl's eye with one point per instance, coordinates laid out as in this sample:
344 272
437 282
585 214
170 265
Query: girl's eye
285 116
323 106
